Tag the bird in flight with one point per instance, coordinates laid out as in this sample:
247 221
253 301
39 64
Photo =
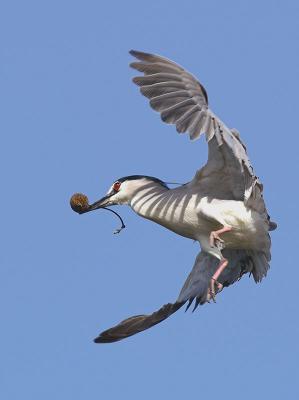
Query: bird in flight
222 207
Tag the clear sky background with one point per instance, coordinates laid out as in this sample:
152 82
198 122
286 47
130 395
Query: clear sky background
71 120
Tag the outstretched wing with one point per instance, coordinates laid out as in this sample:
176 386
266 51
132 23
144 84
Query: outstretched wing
183 101
136 324
195 288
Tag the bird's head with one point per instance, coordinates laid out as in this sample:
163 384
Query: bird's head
124 189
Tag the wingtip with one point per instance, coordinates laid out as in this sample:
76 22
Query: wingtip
137 53
136 324
104 339
141 55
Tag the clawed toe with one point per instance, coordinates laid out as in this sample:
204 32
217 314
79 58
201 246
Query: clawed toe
215 240
213 291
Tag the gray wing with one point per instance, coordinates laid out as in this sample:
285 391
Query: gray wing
195 288
183 101
240 262
136 324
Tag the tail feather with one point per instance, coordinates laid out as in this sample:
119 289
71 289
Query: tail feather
261 266
272 225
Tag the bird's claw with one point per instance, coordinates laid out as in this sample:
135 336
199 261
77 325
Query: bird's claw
212 292
216 241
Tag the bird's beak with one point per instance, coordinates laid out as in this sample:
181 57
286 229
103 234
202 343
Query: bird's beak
103 202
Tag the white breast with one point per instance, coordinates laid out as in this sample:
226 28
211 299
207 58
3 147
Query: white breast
189 215
249 228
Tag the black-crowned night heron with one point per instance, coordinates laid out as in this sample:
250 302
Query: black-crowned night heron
222 207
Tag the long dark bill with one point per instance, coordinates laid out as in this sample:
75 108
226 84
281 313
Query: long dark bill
100 204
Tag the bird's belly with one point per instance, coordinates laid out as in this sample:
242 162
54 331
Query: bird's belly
249 229
193 218
186 227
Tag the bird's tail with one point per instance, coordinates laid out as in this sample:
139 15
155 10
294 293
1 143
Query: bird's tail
272 225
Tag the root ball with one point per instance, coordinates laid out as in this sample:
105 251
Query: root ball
79 202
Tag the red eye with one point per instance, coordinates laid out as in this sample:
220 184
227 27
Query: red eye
116 186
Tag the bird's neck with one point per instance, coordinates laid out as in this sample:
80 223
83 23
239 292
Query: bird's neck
148 201
174 209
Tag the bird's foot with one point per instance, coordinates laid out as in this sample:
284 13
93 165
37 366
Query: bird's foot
214 290
215 239
215 286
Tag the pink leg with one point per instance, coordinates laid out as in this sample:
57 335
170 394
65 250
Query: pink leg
214 235
222 265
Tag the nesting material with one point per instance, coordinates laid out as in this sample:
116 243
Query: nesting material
79 202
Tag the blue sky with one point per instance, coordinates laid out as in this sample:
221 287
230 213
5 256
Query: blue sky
71 120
